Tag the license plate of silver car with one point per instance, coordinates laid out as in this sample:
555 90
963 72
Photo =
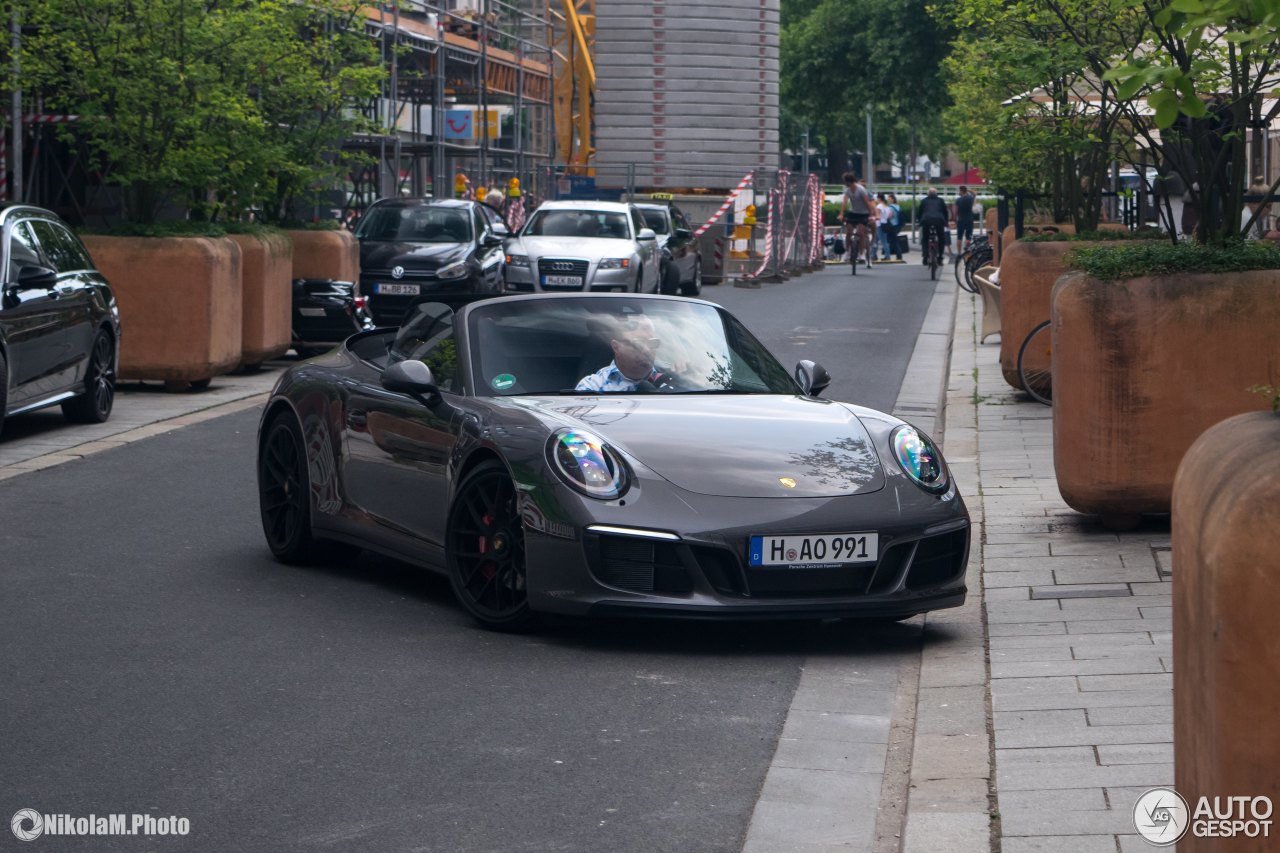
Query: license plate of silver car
398 289
815 551
561 281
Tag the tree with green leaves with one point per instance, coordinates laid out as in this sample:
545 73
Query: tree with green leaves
1203 71
1033 73
841 57
216 106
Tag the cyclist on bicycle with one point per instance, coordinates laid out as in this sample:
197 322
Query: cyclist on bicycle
933 222
856 209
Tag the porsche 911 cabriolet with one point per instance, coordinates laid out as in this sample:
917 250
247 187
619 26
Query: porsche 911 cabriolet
608 455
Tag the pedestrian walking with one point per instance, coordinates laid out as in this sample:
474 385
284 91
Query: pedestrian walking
884 213
963 215
895 226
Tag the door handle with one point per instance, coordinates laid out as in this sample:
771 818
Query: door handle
357 419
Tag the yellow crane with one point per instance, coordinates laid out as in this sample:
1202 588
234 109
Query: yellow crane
575 84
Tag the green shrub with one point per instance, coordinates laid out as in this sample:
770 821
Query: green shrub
1110 263
175 228
1096 236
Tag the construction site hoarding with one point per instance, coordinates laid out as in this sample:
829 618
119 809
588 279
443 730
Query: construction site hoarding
686 94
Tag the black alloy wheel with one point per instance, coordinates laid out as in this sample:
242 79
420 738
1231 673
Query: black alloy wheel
284 488
4 389
694 288
671 279
93 404
485 550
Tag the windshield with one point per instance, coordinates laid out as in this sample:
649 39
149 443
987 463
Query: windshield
655 219
578 223
549 346
415 225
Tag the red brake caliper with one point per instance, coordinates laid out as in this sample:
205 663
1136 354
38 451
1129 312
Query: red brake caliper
488 568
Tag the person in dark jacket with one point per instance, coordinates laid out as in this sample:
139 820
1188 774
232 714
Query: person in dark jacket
933 221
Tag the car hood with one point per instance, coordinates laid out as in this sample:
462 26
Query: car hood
576 247
410 255
734 446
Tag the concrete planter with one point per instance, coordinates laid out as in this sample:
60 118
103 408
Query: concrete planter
325 254
1141 368
180 305
1007 237
1225 599
1027 276
267 286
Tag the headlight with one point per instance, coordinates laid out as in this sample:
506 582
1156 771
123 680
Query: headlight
455 270
614 263
919 458
517 260
587 464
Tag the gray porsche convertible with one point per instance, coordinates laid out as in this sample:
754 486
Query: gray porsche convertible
608 454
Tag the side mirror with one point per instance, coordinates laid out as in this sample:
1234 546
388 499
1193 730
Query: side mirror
500 231
491 240
36 278
647 234
684 234
813 378
410 377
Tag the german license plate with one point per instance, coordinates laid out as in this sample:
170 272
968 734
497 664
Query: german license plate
828 550
561 281
397 289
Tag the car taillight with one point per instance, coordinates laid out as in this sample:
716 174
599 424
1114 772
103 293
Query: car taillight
359 301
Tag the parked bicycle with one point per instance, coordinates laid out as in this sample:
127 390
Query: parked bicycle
1035 358
978 254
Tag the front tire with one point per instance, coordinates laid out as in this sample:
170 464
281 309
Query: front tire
93 405
671 280
4 389
284 492
484 550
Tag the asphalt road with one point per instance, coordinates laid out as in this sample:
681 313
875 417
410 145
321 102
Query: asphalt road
156 660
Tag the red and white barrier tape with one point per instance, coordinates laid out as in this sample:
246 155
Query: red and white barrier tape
44 118
768 234
729 199
815 219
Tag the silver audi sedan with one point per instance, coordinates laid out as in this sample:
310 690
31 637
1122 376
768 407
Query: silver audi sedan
583 246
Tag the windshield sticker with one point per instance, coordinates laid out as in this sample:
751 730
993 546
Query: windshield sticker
502 381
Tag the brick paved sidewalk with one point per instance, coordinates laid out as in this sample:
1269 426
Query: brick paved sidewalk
1078 623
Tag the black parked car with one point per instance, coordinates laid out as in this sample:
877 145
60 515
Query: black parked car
681 270
59 324
415 247
326 313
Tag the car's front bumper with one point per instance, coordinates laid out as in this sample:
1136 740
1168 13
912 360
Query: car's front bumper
528 280
699 573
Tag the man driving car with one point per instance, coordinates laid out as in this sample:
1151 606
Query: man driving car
634 342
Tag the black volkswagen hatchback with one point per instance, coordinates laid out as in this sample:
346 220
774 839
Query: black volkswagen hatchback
59 324
416 247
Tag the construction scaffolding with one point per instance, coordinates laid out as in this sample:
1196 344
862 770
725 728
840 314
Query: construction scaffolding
468 91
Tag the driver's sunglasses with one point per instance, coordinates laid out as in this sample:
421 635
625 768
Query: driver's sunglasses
643 343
